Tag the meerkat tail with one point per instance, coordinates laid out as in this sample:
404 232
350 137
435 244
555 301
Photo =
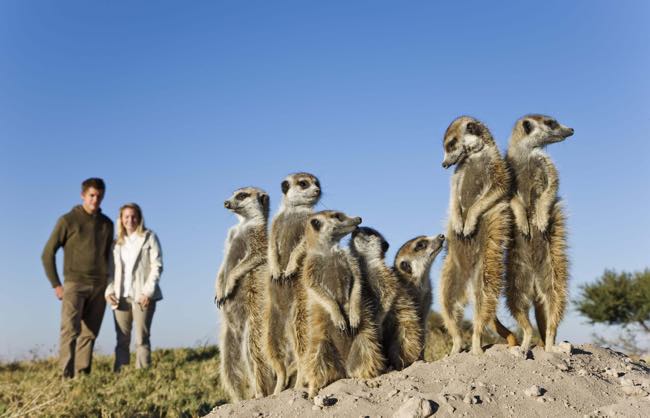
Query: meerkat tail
504 332
232 379
560 271
365 359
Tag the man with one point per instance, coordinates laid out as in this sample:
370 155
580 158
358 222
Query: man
86 236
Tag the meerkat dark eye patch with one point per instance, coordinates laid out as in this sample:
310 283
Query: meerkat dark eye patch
241 196
406 266
551 123
451 144
315 223
473 129
528 127
303 184
421 245
285 187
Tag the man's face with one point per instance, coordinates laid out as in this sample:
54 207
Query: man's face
92 199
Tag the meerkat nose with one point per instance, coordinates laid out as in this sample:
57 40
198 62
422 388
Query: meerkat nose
571 131
441 237
358 220
444 165
226 204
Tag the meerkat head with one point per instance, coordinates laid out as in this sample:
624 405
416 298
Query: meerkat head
464 137
248 203
535 131
414 259
330 226
301 189
369 243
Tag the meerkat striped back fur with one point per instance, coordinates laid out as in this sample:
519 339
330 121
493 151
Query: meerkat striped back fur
478 230
240 294
537 273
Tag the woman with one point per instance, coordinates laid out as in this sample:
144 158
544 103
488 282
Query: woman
134 291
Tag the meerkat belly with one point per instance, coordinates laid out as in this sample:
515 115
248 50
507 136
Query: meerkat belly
337 281
472 185
536 184
292 232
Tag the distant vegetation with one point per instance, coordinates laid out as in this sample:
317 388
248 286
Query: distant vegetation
183 382
620 299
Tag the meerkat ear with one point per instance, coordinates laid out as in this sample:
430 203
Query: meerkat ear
264 200
315 223
473 128
285 187
406 266
384 246
528 127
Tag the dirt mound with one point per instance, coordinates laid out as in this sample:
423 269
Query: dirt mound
584 380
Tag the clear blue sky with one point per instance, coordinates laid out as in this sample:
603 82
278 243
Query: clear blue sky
176 104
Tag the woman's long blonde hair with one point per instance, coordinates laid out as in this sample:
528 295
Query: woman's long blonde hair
121 231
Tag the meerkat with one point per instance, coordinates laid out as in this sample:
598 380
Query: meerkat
413 266
240 294
395 312
537 271
343 337
478 230
286 339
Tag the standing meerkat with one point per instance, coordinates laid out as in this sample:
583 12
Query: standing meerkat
413 266
240 294
478 230
396 314
286 316
538 269
343 337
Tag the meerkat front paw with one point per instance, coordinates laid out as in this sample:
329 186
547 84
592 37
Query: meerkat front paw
276 275
470 226
355 320
541 221
340 323
522 225
457 226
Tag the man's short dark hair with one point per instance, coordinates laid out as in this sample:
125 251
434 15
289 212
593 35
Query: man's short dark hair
94 182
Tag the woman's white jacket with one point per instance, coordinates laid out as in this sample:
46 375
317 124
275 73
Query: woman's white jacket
146 270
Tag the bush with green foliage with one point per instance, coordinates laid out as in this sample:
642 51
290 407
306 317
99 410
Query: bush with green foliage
621 299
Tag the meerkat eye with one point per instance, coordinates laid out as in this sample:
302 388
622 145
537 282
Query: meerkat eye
528 127
315 223
303 184
406 266
241 196
551 123
421 245
451 144
339 216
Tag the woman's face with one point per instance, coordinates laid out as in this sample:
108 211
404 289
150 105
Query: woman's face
130 220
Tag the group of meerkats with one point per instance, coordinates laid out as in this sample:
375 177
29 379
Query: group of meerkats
298 308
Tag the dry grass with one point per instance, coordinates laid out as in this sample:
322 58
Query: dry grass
182 383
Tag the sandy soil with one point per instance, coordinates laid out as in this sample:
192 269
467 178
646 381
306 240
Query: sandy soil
572 381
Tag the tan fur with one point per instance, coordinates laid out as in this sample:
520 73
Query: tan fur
396 315
285 340
478 231
240 294
343 337
538 270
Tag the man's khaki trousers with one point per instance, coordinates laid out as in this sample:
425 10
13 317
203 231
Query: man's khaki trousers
82 311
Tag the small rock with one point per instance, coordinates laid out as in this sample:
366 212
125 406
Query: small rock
518 352
564 347
562 367
321 400
614 373
535 391
393 393
472 399
415 408
583 372
315 408
626 381
291 401
541 399
634 391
